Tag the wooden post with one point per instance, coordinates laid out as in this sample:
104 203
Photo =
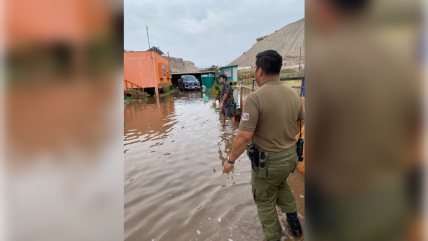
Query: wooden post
300 57
240 99
202 91
126 83
301 89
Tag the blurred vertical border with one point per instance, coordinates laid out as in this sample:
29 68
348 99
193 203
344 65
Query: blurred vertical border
62 120
365 163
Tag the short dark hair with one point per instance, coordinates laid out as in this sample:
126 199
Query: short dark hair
270 62
222 76
350 6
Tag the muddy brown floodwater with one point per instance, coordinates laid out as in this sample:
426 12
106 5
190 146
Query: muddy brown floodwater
175 188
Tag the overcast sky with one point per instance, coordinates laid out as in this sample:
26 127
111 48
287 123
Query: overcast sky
203 31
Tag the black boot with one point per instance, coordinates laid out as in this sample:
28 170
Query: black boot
294 223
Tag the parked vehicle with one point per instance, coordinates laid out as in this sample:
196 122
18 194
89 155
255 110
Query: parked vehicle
189 82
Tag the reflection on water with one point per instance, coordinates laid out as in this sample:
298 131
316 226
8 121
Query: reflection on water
175 188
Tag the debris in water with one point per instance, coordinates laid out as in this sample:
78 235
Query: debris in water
199 232
209 218
302 196
219 219
170 195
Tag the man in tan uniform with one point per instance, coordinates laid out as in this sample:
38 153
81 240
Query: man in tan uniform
270 120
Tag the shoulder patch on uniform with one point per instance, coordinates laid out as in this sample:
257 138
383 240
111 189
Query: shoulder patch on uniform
245 116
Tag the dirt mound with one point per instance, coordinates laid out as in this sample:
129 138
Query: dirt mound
178 65
286 41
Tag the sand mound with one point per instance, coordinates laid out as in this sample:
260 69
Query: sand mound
286 41
178 65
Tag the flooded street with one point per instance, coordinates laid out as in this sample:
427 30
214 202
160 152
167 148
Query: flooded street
175 188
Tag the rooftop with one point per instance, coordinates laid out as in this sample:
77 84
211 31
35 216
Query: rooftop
156 50
227 66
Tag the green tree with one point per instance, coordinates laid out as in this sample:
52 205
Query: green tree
212 68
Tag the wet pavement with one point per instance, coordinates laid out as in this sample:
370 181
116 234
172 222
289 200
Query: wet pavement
175 188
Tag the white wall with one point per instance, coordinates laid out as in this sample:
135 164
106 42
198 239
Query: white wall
244 67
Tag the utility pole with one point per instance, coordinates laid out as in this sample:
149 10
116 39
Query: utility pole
147 28
151 62
300 57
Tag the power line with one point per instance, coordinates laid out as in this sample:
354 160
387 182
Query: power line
135 44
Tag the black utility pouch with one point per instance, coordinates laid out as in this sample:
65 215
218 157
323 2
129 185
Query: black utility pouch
300 149
253 153
299 144
263 162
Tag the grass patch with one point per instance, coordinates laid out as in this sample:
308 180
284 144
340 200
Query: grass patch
167 87
286 73
134 91
293 82
170 91
127 100
215 90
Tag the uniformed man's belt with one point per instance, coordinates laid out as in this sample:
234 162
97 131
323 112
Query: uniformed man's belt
283 154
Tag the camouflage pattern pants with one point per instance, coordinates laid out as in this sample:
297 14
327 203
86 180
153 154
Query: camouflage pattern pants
273 190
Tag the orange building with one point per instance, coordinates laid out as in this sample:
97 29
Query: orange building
146 69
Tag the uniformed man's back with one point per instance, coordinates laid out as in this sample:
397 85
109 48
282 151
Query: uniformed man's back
270 117
274 109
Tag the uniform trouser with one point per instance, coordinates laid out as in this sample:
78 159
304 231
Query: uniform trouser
272 191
